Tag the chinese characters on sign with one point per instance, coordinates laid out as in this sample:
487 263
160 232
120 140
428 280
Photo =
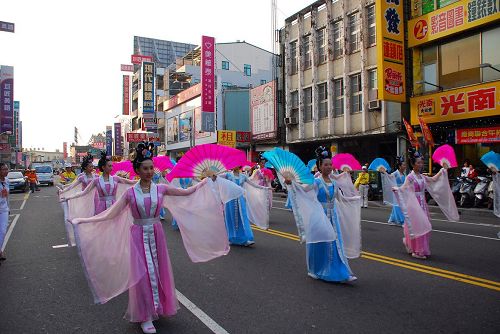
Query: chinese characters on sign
136 137
148 93
6 98
127 68
118 139
243 136
138 59
263 111
226 138
390 50
451 19
471 102
109 141
7 26
478 135
65 150
208 82
126 95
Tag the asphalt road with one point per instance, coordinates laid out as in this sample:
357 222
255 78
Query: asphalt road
264 288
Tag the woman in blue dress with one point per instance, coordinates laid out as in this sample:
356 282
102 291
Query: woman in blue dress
326 260
235 213
397 218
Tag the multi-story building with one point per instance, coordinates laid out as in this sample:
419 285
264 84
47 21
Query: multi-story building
331 69
239 66
454 46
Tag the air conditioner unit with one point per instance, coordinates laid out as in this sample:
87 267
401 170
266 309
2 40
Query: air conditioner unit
290 120
374 105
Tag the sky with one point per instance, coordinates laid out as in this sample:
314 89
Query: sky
67 54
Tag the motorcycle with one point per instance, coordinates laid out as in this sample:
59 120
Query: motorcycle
481 190
466 191
455 187
491 195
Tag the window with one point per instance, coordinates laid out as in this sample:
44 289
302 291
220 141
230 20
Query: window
353 32
459 62
337 40
321 42
356 94
338 97
308 104
372 30
263 82
323 101
490 43
307 51
226 84
293 57
295 104
429 68
225 65
372 79
248 70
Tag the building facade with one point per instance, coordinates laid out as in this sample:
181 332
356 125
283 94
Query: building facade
454 49
330 59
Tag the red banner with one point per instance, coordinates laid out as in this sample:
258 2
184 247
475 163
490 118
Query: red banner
207 74
426 132
478 135
137 137
411 135
126 95
138 59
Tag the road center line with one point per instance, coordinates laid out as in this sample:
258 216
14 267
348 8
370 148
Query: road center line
9 232
60 246
202 316
24 201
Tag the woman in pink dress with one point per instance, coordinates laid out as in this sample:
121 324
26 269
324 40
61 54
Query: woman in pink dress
411 198
124 247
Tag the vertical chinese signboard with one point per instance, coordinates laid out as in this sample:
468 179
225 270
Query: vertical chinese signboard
263 112
208 83
14 138
148 91
65 150
126 95
109 141
118 139
390 50
6 98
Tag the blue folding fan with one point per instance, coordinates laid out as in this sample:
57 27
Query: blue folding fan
379 163
492 160
289 165
311 164
268 165
172 160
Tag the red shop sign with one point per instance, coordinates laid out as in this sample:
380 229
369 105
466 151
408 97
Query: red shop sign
478 135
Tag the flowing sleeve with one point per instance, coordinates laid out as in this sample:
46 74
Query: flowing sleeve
258 203
81 205
312 223
105 246
415 217
349 215
71 189
344 182
122 185
439 188
388 183
200 218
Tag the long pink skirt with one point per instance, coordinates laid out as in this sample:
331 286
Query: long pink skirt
154 295
419 245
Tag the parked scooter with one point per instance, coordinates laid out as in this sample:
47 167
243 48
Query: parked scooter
491 196
481 190
455 188
467 192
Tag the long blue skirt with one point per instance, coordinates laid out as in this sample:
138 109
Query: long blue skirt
323 260
396 216
237 224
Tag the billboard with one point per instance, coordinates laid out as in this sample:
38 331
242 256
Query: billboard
127 68
7 26
198 133
126 95
118 139
173 130
208 83
390 50
7 98
263 112
136 137
109 141
138 59
185 120
478 135
148 87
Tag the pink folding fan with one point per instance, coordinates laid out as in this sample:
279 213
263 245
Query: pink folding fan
445 155
345 160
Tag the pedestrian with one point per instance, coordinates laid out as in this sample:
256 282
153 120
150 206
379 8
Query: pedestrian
363 185
465 169
411 198
318 219
4 207
399 175
124 247
32 179
472 174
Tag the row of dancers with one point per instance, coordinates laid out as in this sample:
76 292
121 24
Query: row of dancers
115 223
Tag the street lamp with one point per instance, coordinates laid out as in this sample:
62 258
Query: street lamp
488 65
421 82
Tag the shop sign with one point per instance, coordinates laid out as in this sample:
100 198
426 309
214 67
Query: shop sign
138 59
148 89
226 138
126 68
390 50
136 137
263 112
243 136
478 135
207 83
463 103
452 19
126 95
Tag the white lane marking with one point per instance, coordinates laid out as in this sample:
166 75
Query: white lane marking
284 209
9 232
24 201
440 231
209 322
467 223
60 246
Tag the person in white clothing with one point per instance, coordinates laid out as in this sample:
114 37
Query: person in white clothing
4 206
